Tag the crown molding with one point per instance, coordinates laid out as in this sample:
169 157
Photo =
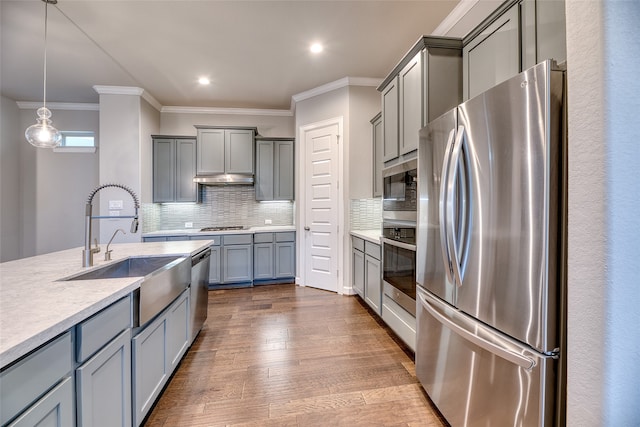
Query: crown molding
458 12
128 90
337 84
71 106
230 111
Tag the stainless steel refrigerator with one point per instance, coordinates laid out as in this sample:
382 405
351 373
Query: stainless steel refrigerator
490 254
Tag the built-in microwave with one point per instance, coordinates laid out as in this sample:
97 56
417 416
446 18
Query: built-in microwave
400 191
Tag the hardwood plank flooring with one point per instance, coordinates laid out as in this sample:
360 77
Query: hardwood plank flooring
284 355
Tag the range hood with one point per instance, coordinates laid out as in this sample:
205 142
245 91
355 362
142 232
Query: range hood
224 179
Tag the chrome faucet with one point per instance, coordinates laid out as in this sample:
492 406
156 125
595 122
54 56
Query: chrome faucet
88 251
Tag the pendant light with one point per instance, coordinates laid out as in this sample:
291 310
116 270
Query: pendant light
43 134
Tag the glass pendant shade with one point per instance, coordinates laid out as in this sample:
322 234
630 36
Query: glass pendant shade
43 134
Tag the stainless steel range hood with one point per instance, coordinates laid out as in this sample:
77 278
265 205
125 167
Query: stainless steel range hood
225 179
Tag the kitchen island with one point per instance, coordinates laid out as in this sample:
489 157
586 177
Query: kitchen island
72 352
35 306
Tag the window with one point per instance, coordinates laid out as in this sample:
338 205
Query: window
77 139
77 142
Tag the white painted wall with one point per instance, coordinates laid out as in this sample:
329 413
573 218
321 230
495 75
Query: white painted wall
182 123
364 104
10 182
54 186
604 219
120 125
149 125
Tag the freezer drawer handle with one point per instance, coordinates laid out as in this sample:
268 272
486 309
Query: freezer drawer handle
522 361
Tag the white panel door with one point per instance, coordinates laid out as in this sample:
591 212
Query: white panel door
321 207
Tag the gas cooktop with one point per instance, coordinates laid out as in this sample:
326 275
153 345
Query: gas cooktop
226 228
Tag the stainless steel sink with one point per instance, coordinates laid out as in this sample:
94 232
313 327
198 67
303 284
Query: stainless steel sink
128 267
164 279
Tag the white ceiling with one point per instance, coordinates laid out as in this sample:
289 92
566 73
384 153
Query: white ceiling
256 53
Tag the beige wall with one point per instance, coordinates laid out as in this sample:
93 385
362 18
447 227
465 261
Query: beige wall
149 125
182 123
55 186
364 104
603 59
11 136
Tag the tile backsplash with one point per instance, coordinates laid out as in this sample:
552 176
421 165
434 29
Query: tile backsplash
366 214
221 206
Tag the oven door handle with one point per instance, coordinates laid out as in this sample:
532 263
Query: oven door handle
402 245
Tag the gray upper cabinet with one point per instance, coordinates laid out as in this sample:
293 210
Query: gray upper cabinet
518 35
174 166
390 120
274 169
410 113
424 85
225 150
376 126
494 54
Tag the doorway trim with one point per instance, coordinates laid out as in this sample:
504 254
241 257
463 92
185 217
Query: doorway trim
302 209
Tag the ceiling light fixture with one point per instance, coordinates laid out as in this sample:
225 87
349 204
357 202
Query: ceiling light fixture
204 81
316 48
43 134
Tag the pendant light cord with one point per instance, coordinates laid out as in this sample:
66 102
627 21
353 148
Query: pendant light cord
44 96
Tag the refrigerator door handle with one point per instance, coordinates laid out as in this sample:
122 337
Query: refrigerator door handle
518 359
444 246
458 272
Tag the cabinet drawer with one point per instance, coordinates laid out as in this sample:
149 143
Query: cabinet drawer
237 239
372 249
215 239
358 243
23 383
95 332
155 239
263 238
288 236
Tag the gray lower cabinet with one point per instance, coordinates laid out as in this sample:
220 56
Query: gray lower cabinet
103 377
372 282
103 385
55 409
366 273
225 150
357 270
274 256
214 265
237 258
154 354
274 169
174 166
38 390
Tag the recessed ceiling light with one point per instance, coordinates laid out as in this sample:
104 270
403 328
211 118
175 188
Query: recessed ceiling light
203 81
316 48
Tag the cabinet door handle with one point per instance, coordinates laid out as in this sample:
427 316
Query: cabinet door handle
307 229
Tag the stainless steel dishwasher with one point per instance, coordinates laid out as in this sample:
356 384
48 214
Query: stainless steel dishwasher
199 290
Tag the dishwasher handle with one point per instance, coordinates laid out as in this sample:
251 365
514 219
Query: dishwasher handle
200 256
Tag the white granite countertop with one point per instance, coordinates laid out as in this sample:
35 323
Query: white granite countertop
370 235
197 232
35 307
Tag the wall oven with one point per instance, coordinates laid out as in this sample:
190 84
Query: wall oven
399 263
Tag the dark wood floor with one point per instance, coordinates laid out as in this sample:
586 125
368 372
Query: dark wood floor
284 355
